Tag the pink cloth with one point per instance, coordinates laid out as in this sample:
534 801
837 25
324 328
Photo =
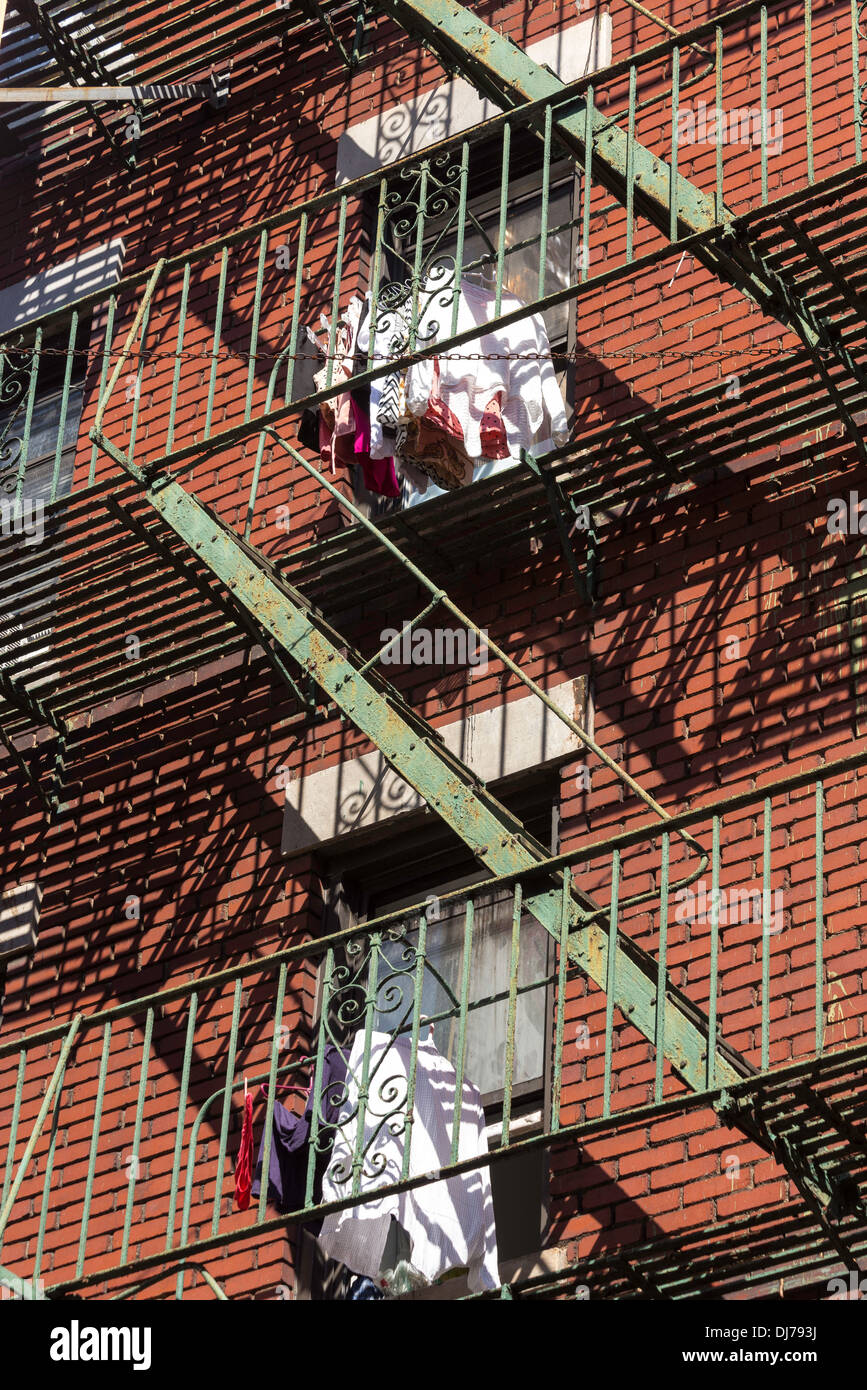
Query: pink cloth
379 474
348 447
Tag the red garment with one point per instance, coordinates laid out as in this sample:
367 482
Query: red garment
348 447
244 1165
492 430
379 476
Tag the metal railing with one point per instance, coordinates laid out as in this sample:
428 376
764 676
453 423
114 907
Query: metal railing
220 345
120 1126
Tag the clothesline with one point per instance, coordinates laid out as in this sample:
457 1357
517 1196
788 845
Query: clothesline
590 350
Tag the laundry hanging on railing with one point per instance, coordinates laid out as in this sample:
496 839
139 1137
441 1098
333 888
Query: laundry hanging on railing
447 416
343 422
291 1136
449 1223
244 1164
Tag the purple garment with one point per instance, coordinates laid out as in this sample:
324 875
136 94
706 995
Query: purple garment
290 1136
379 474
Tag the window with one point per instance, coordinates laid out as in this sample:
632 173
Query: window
519 1182
19 929
481 233
521 251
45 475
485 1049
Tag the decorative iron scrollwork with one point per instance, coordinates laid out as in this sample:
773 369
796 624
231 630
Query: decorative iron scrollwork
15 370
861 114
427 198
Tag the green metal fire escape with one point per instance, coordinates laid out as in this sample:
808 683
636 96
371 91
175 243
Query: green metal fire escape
292 629
637 177
634 982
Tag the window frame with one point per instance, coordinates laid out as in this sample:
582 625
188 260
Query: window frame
563 171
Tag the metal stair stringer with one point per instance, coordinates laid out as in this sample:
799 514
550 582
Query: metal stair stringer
417 753
504 72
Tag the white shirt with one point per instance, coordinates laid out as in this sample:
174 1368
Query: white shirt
449 1222
513 361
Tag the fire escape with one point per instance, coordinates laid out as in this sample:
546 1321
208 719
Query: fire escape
783 255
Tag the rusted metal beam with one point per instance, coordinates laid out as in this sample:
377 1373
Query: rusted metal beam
417 753
51 96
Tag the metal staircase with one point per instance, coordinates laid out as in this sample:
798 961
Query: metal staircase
284 617
308 652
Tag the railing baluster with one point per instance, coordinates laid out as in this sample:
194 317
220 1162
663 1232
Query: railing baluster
713 985
28 414
808 84
820 917
662 969
504 216
139 377
672 180
512 1017
460 233
418 986
586 185
364 1085
46 1188
103 375
610 981
272 1094
766 934
856 79
335 298
296 310
418 256
313 1146
546 198
254 327
218 329
136 1139
560 1015
64 402
376 270
630 165
182 1118
227 1108
460 1060
719 201
179 347
763 47
94 1148
13 1128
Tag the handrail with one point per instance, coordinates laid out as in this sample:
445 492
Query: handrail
594 849
233 1025
577 87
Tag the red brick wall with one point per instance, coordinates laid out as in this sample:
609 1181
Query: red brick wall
176 800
